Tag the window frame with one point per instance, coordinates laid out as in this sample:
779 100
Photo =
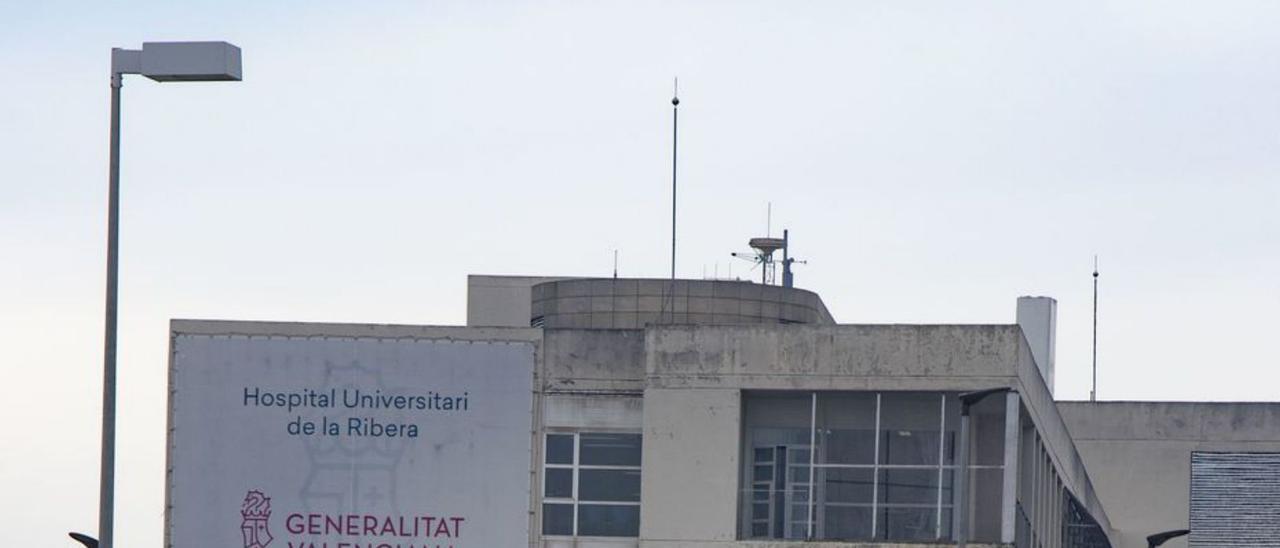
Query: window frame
943 491
575 466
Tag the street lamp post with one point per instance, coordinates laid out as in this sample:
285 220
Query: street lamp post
1160 538
162 62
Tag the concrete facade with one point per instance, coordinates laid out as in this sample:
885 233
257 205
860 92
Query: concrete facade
614 303
615 356
501 301
1140 455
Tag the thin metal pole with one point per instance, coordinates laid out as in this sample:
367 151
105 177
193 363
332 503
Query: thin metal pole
875 474
106 495
942 445
961 519
813 451
675 136
1093 392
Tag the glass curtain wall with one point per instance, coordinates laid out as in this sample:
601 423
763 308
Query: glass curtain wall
849 465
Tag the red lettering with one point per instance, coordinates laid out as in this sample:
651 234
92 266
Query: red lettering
353 527
370 525
293 523
443 528
457 526
332 524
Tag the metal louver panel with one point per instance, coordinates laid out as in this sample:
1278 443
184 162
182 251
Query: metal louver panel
1235 499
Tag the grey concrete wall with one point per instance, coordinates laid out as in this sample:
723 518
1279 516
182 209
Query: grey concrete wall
1038 318
839 357
501 301
610 303
1139 454
1063 451
594 360
689 488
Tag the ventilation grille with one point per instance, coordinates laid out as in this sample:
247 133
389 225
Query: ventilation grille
1235 499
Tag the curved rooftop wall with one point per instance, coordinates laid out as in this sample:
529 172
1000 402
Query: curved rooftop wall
613 303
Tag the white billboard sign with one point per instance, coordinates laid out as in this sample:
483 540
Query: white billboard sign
339 442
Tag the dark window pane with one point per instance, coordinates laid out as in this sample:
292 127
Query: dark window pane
597 520
799 474
610 449
849 446
910 427
846 428
798 494
559 448
948 480
764 454
763 473
558 483
846 485
952 422
911 486
800 511
846 523
909 524
557 519
987 424
609 485
909 447
986 486
760 529
773 420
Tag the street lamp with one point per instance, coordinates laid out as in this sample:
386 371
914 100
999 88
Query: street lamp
1160 538
86 540
162 62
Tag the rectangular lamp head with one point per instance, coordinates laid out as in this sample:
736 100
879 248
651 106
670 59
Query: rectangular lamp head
190 61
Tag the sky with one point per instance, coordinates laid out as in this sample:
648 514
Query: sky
932 160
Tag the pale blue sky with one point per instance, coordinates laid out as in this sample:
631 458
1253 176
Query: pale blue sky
933 160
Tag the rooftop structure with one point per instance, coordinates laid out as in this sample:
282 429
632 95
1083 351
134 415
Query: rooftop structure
701 414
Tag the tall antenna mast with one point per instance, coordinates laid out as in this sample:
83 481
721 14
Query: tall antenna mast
675 135
1093 394
768 220
615 264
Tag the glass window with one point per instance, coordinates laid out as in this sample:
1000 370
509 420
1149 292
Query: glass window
847 522
591 485
560 449
559 483
777 437
846 485
610 449
883 466
910 424
609 485
908 523
557 519
611 520
916 486
848 428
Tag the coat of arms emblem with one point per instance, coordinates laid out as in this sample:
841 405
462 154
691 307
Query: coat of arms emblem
255 511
